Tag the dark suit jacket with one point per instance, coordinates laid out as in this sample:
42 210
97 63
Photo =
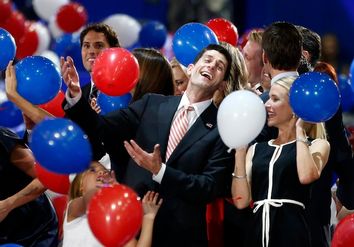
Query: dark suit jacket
86 90
197 171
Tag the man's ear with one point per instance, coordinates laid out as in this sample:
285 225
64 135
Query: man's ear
189 69
306 54
265 58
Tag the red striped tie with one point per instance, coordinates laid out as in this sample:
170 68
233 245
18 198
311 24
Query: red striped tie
178 129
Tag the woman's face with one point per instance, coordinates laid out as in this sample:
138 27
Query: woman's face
278 107
180 80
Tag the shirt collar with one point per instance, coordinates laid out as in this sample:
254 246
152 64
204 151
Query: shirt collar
199 107
284 74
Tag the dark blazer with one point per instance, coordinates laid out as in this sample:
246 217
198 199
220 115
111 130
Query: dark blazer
196 173
86 90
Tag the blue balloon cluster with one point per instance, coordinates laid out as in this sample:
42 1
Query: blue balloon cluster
7 48
190 39
69 45
112 103
61 146
153 34
38 79
10 115
314 97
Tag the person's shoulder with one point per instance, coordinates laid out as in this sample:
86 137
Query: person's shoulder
159 97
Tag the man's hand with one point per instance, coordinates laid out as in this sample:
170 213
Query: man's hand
70 76
150 161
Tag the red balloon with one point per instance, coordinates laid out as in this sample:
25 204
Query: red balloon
5 9
56 182
54 106
71 17
225 30
115 215
59 204
115 71
28 43
344 232
15 24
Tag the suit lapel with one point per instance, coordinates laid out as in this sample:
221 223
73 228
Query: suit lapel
202 126
166 113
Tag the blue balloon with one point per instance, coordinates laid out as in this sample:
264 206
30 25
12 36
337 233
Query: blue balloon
38 79
314 97
61 146
112 103
190 39
153 34
69 45
7 48
346 92
10 115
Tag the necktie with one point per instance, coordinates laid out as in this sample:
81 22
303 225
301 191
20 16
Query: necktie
178 129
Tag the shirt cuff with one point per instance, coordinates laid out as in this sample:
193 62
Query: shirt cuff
158 177
71 101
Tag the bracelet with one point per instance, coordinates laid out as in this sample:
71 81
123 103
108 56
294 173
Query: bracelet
306 141
238 177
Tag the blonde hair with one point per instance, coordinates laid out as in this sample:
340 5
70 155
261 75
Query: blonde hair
75 187
313 130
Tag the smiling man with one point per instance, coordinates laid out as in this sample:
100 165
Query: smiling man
188 165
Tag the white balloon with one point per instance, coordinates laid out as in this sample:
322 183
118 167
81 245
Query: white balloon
43 37
52 56
126 27
241 117
47 8
54 29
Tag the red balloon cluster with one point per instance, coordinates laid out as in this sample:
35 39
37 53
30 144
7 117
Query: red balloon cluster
71 17
115 71
28 43
115 215
14 24
55 182
344 232
5 10
225 30
54 106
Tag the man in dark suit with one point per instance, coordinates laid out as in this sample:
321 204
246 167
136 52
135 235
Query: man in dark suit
198 169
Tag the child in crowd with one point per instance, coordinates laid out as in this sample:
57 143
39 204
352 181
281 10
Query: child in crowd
76 228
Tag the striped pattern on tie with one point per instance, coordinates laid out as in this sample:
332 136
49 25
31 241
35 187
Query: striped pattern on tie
178 129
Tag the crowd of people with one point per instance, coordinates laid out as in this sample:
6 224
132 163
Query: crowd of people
165 145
